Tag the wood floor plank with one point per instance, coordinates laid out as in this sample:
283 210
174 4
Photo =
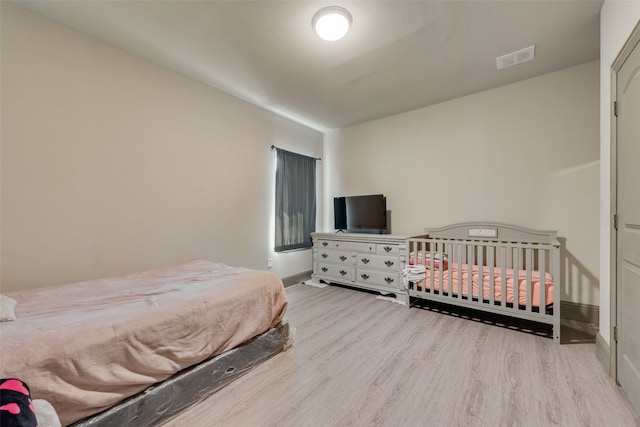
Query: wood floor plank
360 361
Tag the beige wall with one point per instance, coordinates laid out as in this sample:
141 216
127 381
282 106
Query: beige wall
111 164
526 153
617 21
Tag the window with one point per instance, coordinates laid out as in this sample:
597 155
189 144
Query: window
295 200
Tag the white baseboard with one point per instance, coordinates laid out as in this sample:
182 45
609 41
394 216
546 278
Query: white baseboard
296 278
581 312
603 352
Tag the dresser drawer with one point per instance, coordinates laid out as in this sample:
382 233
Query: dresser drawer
382 262
338 271
385 248
346 246
335 257
386 279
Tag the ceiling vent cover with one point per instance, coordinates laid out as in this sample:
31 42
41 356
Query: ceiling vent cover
516 57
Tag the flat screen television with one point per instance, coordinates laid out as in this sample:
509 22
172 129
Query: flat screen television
361 214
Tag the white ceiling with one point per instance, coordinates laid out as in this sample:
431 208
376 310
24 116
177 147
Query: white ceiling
398 56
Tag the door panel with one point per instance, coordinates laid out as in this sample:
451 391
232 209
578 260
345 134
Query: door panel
628 208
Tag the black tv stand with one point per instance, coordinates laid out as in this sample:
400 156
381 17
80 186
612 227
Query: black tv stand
340 231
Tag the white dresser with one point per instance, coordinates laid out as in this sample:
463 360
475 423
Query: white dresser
368 261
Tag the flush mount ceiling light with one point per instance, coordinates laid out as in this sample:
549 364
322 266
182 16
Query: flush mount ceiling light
331 23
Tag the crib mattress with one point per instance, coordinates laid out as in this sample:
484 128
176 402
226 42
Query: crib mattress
460 278
86 346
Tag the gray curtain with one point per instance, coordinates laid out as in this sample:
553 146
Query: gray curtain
295 200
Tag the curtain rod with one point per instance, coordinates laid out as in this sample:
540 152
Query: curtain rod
316 158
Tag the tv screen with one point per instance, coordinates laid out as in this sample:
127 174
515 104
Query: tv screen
365 214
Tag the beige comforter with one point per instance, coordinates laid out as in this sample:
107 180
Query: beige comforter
86 346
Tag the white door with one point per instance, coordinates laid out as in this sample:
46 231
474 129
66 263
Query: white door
628 250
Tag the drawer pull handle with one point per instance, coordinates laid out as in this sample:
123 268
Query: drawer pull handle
388 280
342 272
324 255
365 260
343 258
324 243
388 248
389 263
324 269
364 276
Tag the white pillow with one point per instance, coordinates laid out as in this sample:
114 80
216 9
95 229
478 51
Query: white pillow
7 307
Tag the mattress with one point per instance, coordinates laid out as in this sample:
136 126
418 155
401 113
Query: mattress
459 274
86 346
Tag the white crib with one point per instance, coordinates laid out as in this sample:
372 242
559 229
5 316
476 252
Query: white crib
493 267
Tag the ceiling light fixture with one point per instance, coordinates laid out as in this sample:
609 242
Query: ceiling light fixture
331 23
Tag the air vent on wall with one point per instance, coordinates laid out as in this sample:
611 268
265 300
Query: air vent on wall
516 57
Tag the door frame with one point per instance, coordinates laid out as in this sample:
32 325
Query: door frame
623 55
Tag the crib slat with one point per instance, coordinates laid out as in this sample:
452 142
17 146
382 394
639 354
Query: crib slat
433 251
422 253
480 264
469 272
433 282
460 262
416 261
441 251
438 249
492 285
503 277
516 278
528 267
542 269
416 255
449 268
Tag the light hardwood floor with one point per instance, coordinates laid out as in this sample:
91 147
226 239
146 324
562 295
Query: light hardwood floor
361 361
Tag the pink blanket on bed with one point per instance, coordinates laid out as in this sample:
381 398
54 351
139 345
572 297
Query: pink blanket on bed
462 278
86 346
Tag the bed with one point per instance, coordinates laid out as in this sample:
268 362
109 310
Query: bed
142 346
493 267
